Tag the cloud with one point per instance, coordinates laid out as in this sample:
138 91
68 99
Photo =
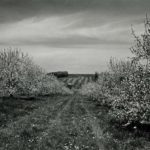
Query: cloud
75 31
15 10
69 22
68 30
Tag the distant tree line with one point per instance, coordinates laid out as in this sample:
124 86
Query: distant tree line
59 74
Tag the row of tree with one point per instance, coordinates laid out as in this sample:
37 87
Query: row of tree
126 87
19 75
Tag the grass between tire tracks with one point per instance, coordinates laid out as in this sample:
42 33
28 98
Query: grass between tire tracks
65 123
57 123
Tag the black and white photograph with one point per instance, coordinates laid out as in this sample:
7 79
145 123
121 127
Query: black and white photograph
74 74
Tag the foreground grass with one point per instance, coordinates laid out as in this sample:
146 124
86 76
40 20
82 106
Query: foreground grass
62 123
55 123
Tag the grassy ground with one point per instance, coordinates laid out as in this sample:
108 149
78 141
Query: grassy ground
56 123
63 123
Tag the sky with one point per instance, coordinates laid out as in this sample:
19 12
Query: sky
78 36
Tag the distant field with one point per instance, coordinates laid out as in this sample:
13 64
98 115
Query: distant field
77 80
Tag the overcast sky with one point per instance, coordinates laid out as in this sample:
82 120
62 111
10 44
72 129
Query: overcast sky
74 35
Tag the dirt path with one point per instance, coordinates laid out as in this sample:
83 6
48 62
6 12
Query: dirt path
60 123
96 129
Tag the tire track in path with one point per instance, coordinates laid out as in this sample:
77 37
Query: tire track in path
57 119
93 122
75 120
